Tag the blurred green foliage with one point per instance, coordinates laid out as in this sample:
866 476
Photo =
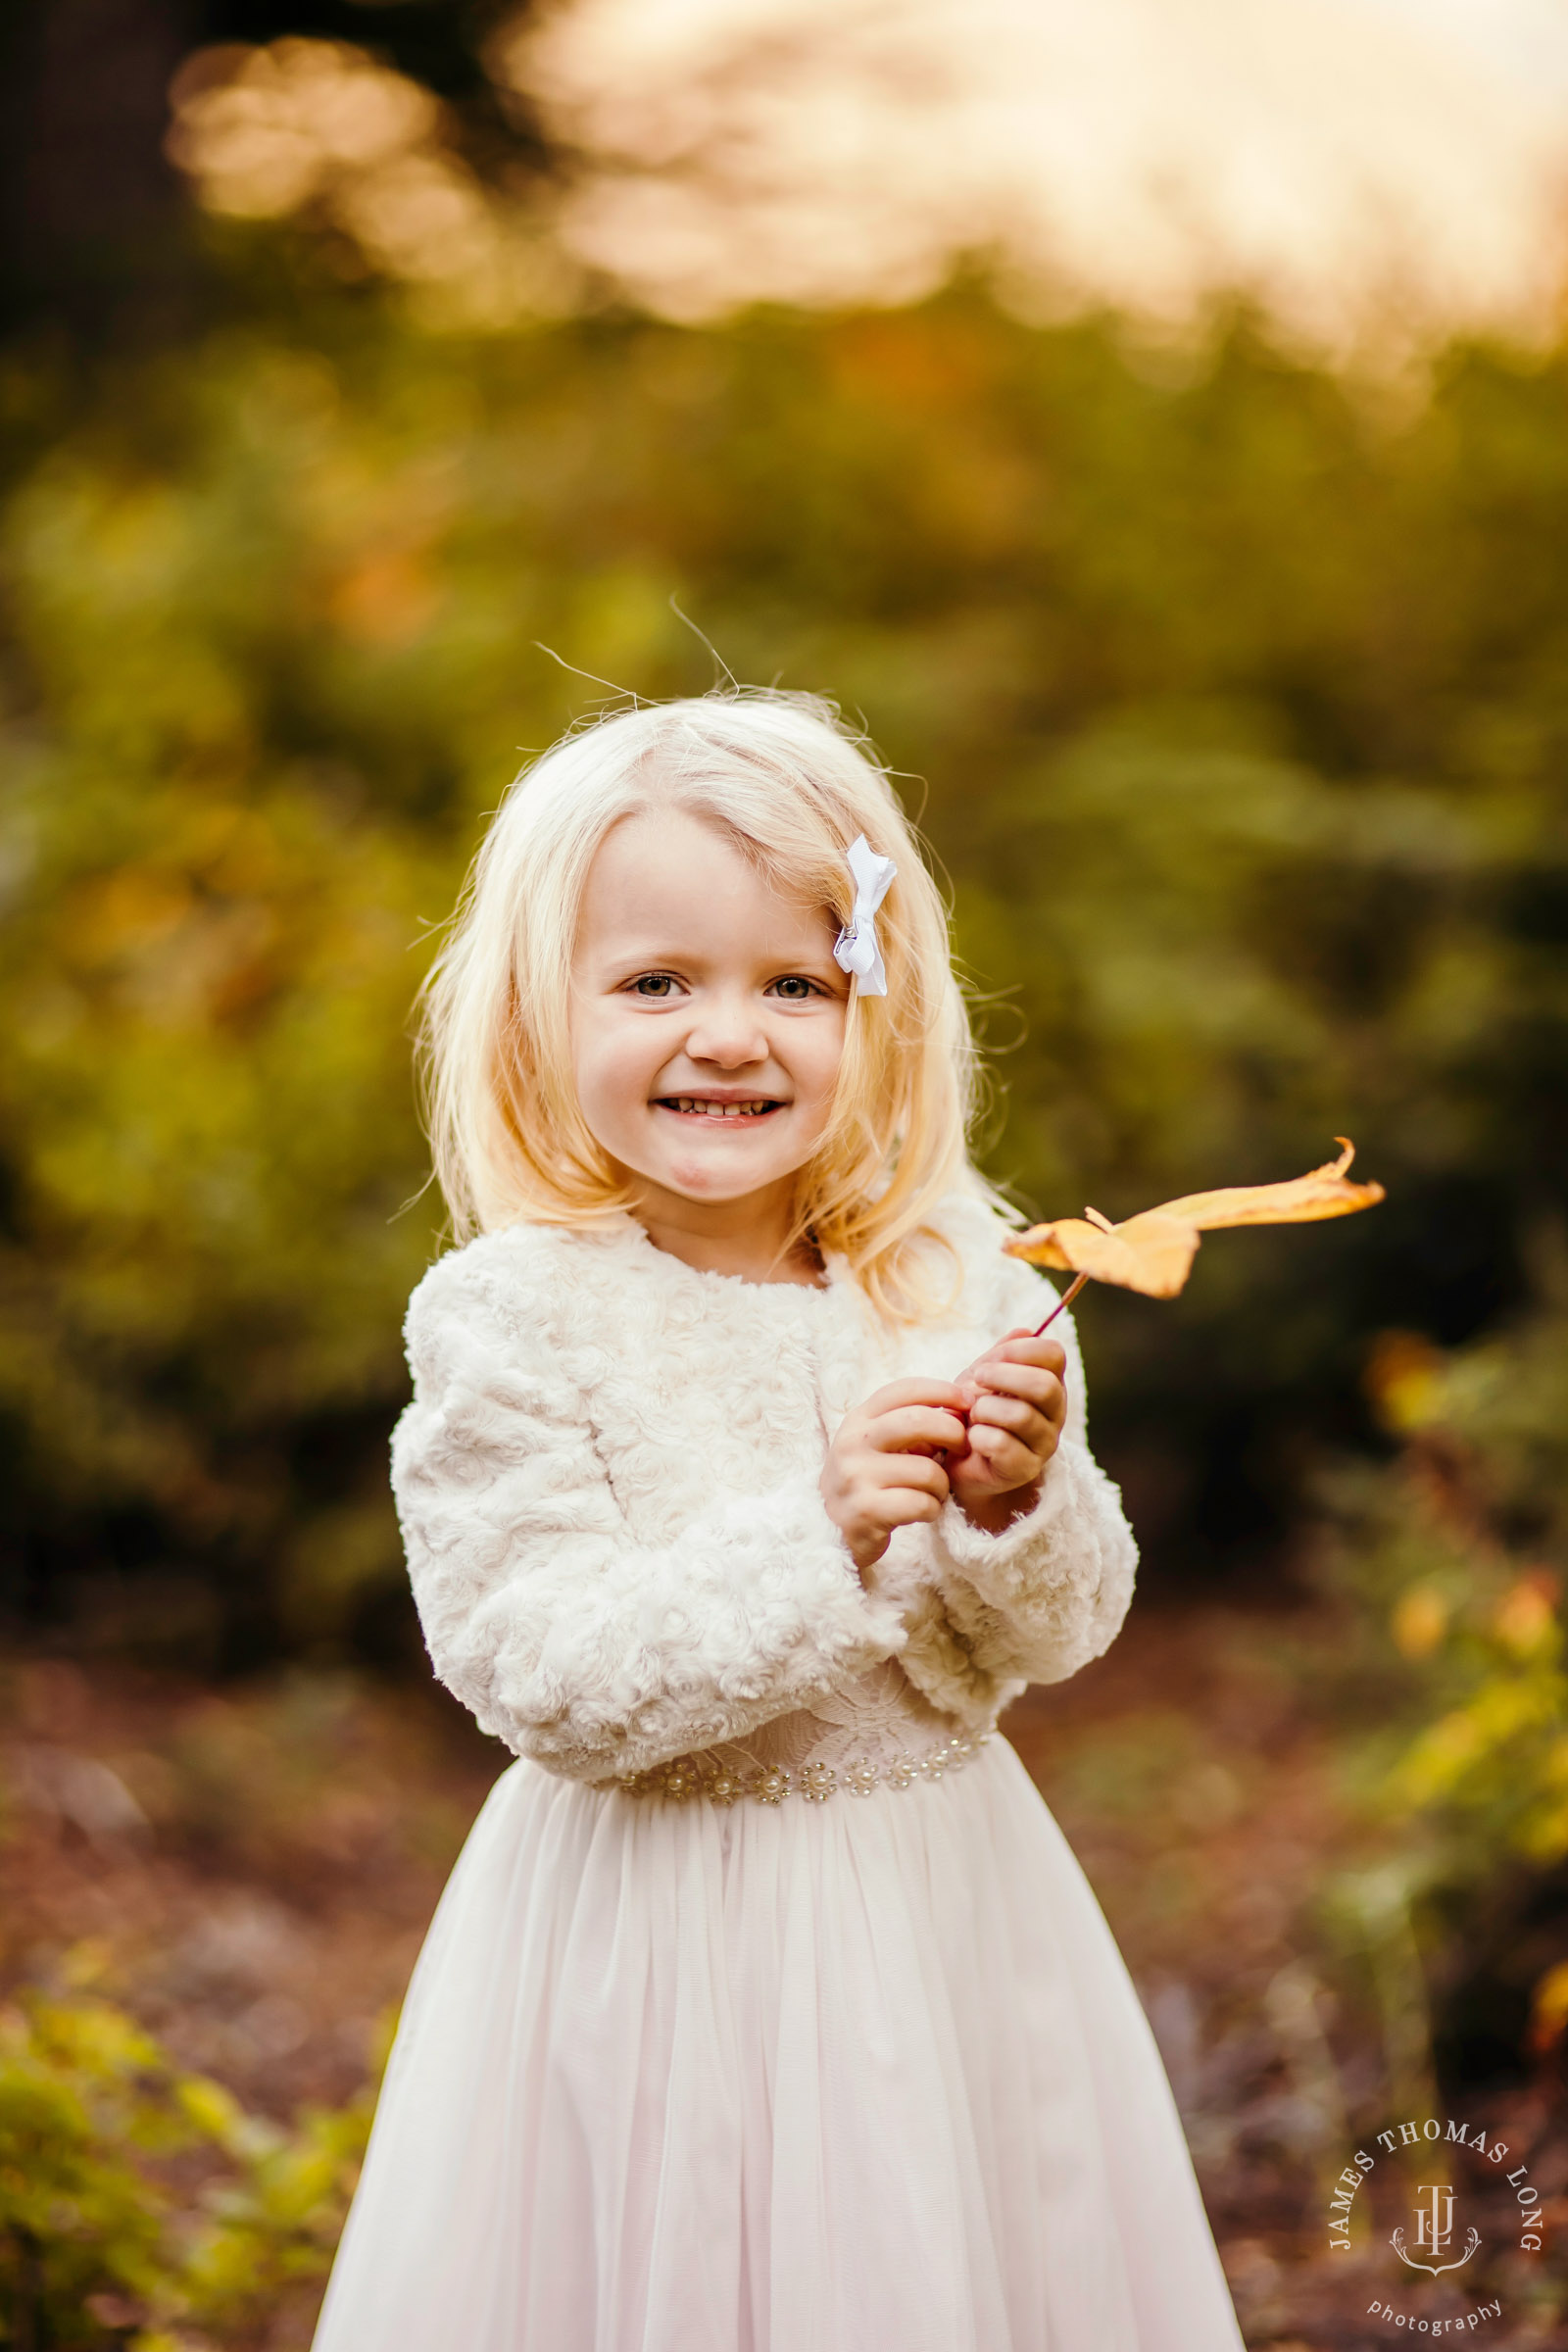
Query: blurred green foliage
1448 1570
108 2236
1235 705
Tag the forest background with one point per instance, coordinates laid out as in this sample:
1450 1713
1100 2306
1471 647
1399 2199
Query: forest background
1232 695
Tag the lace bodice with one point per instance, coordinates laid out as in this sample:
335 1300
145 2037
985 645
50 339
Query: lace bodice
875 1731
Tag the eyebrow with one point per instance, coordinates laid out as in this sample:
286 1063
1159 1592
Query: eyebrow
652 953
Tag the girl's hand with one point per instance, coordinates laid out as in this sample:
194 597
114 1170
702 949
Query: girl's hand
880 1471
1016 1405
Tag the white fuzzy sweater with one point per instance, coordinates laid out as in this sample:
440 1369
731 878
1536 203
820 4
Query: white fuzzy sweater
608 1487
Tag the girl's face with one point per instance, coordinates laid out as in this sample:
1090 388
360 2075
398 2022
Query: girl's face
707 1019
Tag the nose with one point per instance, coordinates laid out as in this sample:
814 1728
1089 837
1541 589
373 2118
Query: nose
727 1031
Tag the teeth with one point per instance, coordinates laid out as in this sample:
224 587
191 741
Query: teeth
694 1106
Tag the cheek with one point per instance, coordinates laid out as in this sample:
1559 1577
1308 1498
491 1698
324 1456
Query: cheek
817 1064
613 1064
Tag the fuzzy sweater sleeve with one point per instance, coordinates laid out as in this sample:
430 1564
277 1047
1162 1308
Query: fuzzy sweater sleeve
578 1645
1039 1601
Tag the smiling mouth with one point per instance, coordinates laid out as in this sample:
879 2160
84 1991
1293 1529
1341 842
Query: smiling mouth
701 1106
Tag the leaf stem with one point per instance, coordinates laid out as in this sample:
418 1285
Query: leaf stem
1065 1301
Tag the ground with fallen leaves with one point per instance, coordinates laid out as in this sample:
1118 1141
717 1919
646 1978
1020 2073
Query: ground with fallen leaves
250 1871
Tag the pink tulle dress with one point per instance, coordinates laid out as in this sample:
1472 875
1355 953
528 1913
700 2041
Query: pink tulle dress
807 2035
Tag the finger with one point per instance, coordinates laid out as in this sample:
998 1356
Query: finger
1035 1387
1023 1348
899 1392
903 1506
1031 1427
1041 1425
1006 1364
914 1425
897 1471
1007 1461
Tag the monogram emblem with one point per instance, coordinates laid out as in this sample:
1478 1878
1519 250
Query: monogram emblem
1434 2233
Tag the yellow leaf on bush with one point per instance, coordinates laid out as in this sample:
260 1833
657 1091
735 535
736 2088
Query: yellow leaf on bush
1543 1834
1404 1380
1548 2008
215 2111
1419 1621
1439 1759
1524 1620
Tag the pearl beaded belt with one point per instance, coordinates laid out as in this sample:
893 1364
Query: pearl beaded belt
708 1776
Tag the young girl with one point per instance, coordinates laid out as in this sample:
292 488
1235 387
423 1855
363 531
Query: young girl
767 2009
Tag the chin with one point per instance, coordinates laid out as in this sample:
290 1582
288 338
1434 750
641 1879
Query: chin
725 1172
719 1184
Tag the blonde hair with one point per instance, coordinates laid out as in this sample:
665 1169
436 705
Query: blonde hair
782 778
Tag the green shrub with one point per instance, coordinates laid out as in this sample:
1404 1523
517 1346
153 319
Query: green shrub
138 2203
1446 1565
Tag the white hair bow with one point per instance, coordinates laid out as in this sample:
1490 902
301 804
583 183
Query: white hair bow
856 951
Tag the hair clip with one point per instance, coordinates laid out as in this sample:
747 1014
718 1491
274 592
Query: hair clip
856 951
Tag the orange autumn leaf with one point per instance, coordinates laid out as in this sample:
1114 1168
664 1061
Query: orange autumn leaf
1325 1192
1154 1252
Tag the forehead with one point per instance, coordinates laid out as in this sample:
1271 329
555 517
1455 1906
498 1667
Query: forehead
673 877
